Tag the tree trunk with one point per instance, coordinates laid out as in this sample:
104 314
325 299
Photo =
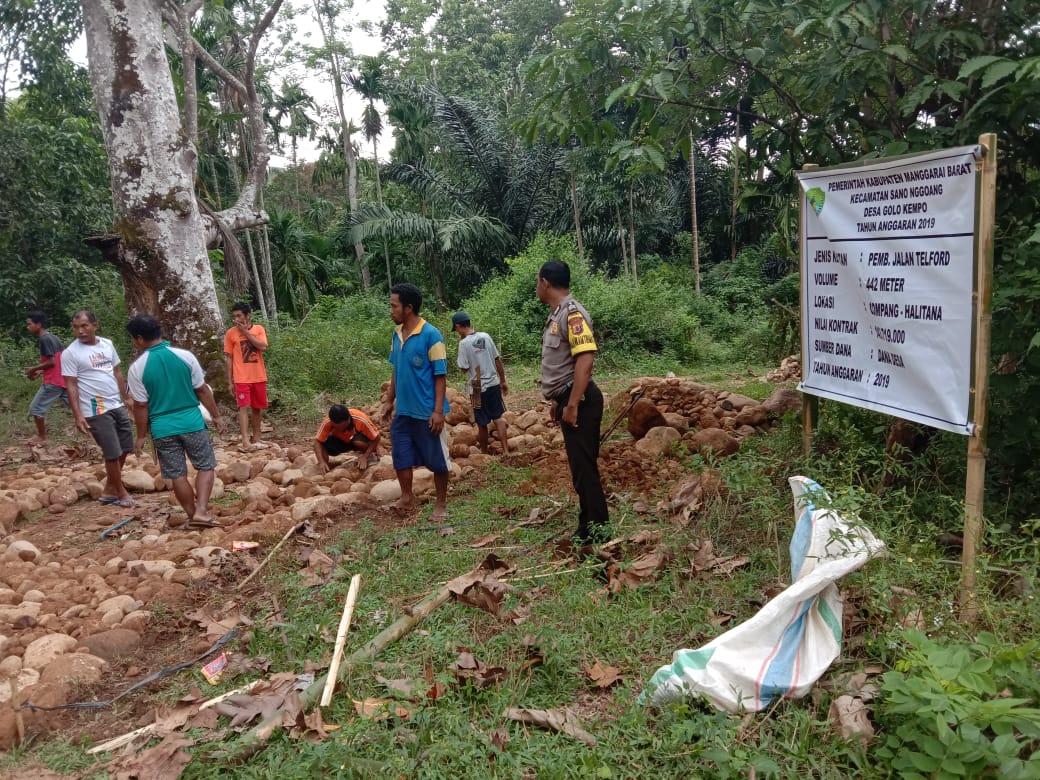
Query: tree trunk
379 197
621 236
693 217
328 34
632 235
736 180
258 286
161 252
577 218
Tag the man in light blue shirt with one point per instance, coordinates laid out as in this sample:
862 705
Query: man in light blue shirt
417 387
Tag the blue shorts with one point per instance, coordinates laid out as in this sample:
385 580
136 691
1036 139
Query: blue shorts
412 444
45 398
491 406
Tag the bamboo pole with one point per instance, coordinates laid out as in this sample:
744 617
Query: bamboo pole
126 739
809 402
341 640
975 480
270 555
256 738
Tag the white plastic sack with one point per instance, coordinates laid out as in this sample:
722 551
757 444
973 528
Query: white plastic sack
791 641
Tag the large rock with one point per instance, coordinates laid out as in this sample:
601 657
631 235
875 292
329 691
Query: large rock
643 416
782 401
10 514
677 421
22 680
42 651
238 471
658 441
113 644
714 441
734 402
385 492
139 481
14 613
122 603
318 506
74 669
754 414
63 494
22 550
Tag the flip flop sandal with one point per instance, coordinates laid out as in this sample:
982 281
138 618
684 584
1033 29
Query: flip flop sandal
108 500
201 524
126 503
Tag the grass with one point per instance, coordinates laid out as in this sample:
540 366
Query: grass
574 622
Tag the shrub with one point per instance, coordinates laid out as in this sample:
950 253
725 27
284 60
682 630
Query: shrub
960 710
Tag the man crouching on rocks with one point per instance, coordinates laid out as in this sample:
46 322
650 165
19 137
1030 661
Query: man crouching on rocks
167 385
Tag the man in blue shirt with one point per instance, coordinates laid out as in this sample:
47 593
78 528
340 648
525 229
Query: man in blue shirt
417 386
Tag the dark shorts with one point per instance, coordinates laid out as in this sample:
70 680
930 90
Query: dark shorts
336 446
251 394
45 398
491 406
412 444
170 451
113 433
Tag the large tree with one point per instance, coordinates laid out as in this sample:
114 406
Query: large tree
161 234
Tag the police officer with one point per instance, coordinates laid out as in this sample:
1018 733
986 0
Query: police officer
568 353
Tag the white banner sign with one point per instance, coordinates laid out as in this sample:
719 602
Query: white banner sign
887 270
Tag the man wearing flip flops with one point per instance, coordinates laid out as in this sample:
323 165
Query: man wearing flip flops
167 385
96 389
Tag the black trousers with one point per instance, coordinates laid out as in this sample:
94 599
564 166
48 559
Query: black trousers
334 446
582 444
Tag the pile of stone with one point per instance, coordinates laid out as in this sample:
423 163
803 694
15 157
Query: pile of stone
673 410
790 368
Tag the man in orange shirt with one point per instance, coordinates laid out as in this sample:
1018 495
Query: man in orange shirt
344 430
244 345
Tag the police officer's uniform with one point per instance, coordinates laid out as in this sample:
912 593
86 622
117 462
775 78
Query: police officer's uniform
567 334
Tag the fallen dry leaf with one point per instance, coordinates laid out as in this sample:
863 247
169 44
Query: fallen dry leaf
403 685
499 739
603 676
852 717
165 761
720 618
380 709
486 539
216 626
641 571
319 566
467 667
563 721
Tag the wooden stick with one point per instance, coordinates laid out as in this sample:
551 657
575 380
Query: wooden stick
126 739
341 640
270 555
256 738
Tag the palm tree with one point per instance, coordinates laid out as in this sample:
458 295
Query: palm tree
482 196
293 103
368 83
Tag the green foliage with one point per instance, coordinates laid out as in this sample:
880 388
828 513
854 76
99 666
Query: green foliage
953 709
337 354
655 317
53 195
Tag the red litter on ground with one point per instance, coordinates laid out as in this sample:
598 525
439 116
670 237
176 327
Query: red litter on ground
215 668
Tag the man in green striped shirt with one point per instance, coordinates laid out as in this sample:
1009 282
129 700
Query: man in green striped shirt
167 385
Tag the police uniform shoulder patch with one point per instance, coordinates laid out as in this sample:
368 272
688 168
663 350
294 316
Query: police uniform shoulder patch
577 325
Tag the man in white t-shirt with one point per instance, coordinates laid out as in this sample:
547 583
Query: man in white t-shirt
96 388
479 357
